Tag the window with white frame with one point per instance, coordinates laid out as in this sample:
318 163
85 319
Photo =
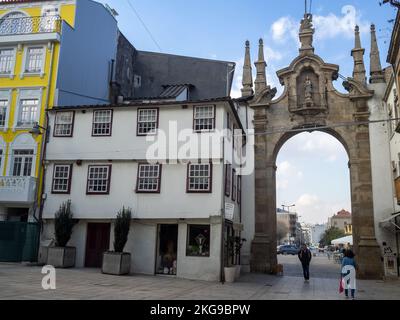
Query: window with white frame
228 170
149 178
63 125
99 178
199 178
34 60
28 112
1 160
147 121
102 123
3 112
7 57
22 163
62 178
204 118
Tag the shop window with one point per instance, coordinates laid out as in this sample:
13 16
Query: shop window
198 241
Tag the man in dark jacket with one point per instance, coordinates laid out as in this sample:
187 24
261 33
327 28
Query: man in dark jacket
305 258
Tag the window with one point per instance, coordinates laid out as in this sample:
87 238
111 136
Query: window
99 178
34 60
22 163
28 112
228 170
149 178
239 188
204 118
1 158
6 61
147 121
234 189
62 178
64 124
3 112
199 178
198 241
102 123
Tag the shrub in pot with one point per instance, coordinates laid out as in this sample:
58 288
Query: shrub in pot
230 269
118 262
62 256
238 247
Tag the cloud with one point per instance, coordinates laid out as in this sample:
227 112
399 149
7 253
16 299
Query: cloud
284 28
331 26
286 174
320 143
326 27
313 209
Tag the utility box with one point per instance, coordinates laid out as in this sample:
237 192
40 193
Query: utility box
391 269
43 251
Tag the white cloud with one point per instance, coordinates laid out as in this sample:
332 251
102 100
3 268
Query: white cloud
313 209
287 173
326 27
321 143
331 26
273 55
284 28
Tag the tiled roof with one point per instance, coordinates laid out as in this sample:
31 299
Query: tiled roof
19 1
343 213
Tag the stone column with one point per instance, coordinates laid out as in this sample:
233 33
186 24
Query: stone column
367 250
263 248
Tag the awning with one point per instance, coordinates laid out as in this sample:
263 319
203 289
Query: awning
390 221
344 240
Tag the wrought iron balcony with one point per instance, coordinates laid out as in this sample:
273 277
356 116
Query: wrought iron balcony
17 189
30 25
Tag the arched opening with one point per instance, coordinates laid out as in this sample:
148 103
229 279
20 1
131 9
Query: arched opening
312 187
15 22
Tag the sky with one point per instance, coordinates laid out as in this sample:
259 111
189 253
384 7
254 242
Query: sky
312 168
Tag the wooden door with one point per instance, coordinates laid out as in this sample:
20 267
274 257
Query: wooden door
97 242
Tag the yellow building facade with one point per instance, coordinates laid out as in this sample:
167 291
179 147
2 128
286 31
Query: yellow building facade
30 33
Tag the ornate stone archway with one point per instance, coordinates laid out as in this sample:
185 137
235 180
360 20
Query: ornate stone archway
310 102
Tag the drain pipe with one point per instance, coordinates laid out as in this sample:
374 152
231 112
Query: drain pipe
222 276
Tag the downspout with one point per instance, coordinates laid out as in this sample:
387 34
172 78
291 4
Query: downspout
45 139
222 276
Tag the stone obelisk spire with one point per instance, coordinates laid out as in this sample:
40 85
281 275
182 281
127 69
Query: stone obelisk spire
247 81
376 72
358 56
261 79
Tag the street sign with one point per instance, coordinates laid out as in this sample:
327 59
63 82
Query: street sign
229 211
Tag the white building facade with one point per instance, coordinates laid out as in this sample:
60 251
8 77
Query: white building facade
140 155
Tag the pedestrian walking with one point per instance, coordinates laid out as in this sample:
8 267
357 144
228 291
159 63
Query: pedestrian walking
305 257
349 274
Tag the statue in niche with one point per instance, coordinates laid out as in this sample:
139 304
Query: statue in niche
308 88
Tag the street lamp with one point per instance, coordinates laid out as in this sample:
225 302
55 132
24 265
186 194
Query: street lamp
394 3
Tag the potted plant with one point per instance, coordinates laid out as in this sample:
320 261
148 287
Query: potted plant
118 262
238 247
230 269
62 256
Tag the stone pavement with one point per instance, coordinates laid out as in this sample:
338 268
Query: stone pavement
22 282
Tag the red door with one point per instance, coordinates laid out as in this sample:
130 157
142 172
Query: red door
97 242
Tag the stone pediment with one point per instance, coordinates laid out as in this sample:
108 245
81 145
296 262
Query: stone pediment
307 80
357 90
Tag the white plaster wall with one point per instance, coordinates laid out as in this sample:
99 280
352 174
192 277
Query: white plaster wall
248 206
124 142
142 245
382 181
200 268
172 202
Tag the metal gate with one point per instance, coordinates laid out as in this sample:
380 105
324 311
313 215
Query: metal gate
19 241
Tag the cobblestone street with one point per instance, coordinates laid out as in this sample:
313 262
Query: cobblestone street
23 282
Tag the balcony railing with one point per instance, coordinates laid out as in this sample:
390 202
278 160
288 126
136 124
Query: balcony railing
30 25
17 189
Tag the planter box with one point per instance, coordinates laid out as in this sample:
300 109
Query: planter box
116 263
61 257
230 273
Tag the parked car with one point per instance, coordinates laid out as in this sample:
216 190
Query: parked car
288 249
